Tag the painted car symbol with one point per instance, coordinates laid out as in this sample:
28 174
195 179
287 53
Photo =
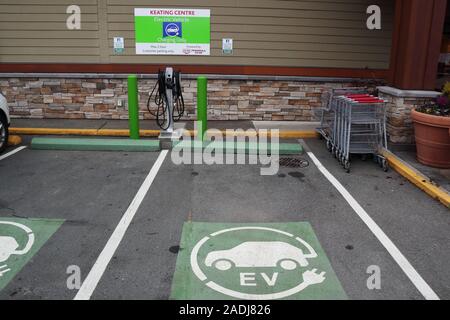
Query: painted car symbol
172 30
259 254
9 245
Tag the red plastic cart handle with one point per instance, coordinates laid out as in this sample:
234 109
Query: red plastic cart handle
358 95
369 101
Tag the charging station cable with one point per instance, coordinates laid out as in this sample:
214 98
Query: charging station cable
159 93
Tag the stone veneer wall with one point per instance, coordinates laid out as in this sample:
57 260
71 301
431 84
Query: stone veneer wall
400 127
97 98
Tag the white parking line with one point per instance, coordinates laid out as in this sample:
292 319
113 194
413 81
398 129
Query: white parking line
401 260
94 276
6 155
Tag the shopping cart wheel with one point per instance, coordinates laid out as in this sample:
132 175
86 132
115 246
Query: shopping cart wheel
347 166
377 159
384 165
328 145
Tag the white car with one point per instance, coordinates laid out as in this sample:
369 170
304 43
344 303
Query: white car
4 123
260 254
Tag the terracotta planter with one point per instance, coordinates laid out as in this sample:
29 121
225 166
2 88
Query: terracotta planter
432 135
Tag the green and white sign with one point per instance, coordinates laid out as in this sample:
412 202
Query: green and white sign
20 240
254 261
227 46
119 45
172 31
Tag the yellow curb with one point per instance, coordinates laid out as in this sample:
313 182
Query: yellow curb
126 133
417 178
113 132
54 131
81 132
14 140
301 134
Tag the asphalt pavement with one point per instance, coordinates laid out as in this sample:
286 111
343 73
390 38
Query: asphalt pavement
92 191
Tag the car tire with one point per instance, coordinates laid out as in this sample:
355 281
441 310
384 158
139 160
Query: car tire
4 134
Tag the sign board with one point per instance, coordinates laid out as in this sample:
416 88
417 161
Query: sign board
172 31
119 45
20 240
227 46
253 261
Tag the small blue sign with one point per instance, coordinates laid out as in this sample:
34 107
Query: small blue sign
172 29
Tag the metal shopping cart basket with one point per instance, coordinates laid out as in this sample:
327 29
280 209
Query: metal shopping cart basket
359 128
354 122
327 114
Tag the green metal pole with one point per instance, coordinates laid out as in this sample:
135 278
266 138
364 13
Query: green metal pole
133 106
202 103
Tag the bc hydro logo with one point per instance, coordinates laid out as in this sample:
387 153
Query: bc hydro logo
172 29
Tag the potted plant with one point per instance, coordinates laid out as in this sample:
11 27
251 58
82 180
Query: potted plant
432 131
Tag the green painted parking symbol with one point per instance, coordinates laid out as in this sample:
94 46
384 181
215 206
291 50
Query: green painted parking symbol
20 240
253 261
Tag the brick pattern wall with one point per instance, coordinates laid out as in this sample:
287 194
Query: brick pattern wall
74 98
263 100
400 127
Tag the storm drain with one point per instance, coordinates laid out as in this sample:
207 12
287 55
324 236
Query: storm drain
290 162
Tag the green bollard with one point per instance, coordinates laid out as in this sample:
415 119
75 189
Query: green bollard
133 106
202 103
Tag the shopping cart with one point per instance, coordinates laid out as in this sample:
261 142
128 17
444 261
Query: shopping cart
357 126
327 113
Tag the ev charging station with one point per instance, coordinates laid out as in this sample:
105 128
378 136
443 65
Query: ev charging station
169 100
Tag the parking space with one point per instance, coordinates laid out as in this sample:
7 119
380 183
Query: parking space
169 209
89 190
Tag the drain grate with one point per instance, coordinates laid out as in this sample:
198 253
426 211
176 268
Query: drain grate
291 162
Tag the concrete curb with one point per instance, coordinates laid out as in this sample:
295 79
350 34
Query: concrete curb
81 132
89 144
417 178
240 147
291 134
14 140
